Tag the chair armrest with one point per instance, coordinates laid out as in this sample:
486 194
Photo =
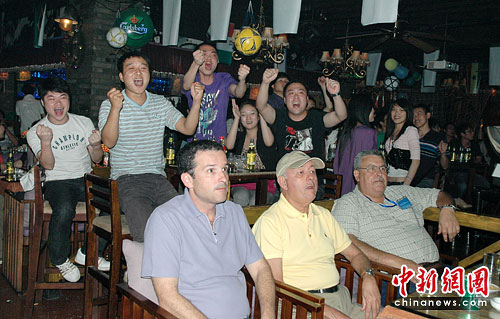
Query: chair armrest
135 305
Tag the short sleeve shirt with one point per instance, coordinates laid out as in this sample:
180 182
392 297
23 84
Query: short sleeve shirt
396 229
179 242
139 148
306 135
214 104
306 243
69 146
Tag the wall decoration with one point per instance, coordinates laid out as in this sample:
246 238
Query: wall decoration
138 26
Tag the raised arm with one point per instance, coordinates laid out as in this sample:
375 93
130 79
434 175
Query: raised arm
264 283
326 97
187 125
170 299
94 148
266 110
238 90
45 156
371 294
333 118
110 129
267 134
233 131
443 160
198 59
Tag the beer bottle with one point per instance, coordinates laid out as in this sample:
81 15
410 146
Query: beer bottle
251 154
170 156
10 167
223 143
105 160
453 155
468 154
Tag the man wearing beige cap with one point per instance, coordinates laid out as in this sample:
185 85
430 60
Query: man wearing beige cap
300 239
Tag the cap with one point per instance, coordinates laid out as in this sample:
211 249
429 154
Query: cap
296 159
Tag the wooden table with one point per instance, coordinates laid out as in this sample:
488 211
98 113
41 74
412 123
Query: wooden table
260 178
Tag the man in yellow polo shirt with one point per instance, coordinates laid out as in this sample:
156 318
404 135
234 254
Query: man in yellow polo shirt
300 239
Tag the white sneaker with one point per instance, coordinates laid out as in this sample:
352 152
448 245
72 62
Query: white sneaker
102 264
69 271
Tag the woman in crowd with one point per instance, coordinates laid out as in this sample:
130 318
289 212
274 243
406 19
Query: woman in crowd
239 141
402 144
356 135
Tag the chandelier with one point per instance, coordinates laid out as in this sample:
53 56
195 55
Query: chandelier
346 64
272 49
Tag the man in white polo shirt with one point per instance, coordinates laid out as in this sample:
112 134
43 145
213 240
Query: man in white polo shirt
132 123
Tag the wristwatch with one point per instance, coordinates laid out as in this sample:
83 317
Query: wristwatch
449 206
335 94
369 271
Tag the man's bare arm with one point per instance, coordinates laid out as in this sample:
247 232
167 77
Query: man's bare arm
170 299
266 110
264 283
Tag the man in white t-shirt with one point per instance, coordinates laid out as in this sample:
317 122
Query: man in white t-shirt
65 144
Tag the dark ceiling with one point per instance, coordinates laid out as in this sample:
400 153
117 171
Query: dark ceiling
474 26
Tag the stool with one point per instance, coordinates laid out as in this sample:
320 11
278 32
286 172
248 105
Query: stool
38 236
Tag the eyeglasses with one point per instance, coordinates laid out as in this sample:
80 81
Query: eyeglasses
374 169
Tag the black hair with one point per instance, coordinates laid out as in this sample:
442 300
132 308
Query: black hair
462 128
406 106
279 76
131 54
212 44
186 156
57 85
28 89
425 107
433 123
450 123
358 110
292 82
245 102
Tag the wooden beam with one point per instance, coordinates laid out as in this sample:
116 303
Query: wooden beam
477 256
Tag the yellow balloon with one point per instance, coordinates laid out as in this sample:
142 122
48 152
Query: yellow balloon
391 64
248 41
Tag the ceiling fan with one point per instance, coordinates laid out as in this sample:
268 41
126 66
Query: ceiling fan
398 33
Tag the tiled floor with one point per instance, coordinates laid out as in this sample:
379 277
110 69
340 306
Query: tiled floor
69 306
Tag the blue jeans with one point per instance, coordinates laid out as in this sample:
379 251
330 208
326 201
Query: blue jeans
139 195
63 195
426 183
460 179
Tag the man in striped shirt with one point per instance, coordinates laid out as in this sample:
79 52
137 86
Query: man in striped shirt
132 123
432 148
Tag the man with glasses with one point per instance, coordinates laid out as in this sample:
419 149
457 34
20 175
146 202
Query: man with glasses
387 223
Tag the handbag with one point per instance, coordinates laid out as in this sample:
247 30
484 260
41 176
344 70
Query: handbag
399 158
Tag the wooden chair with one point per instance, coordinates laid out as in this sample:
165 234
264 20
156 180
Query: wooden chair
136 306
13 238
38 236
333 185
102 194
383 276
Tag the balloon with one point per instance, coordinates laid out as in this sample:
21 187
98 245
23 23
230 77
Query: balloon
401 72
410 81
417 76
391 64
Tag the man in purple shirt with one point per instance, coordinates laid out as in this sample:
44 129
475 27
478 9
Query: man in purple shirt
219 86
196 244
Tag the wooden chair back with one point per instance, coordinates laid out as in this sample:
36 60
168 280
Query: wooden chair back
102 195
383 276
333 185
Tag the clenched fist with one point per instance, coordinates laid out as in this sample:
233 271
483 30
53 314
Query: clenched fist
95 138
333 86
198 57
44 133
322 82
243 71
115 96
269 75
197 91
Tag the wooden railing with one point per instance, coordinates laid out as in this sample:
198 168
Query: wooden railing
479 222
